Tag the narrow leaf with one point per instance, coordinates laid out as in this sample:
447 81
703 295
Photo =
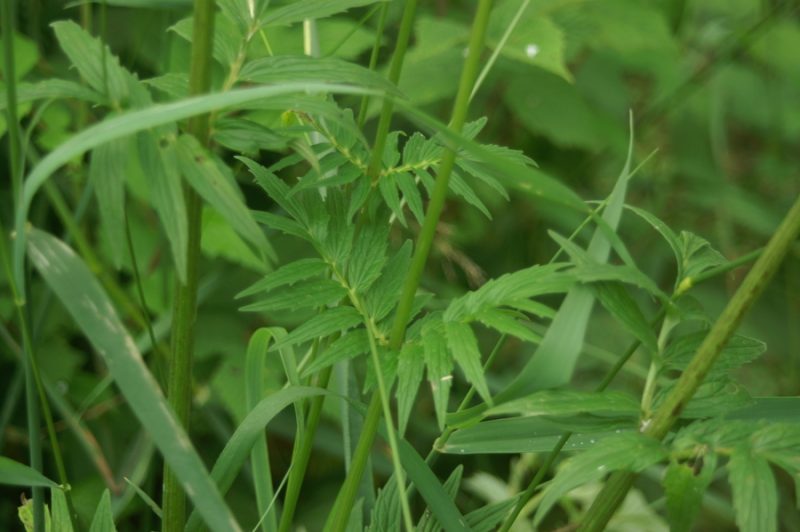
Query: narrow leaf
107 170
287 274
103 520
463 346
323 324
15 474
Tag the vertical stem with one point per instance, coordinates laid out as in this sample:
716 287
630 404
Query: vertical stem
15 168
344 503
179 379
690 380
396 66
373 59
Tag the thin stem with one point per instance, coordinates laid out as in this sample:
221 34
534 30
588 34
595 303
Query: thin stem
395 67
8 17
690 380
302 454
344 503
373 59
180 365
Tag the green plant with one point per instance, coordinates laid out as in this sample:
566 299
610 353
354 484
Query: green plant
240 209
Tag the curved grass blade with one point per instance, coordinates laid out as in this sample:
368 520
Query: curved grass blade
87 303
247 433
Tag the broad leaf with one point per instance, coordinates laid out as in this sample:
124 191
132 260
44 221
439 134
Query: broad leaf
755 495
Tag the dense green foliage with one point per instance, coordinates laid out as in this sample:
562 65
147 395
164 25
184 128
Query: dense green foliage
373 265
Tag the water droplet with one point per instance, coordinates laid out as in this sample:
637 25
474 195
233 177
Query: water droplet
532 50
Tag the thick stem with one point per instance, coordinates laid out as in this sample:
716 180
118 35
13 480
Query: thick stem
668 412
344 502
179 378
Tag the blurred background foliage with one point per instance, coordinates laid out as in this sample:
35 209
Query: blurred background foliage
714 90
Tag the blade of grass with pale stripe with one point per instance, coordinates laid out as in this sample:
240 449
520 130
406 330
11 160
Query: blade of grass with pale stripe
89 306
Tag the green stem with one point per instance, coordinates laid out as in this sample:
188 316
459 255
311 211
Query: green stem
302 454
15 168
395 67
690 380
344 502
179 376
373 59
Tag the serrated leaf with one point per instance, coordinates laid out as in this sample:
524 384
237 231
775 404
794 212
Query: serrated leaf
428 523
93 59
160 167
350 345
277 190
755 496
87 303
385 292
227 37
408 187
440 367
568 402
697 255
738 351
310 294
505 323
47 89
103 520
206 176
368 256
288 274
281 223
291 68
463 345
631 451
489 517
388 189
410 366
218 239
616 300
463 190
323 324
302 9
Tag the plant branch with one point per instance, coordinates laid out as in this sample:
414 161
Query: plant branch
690 380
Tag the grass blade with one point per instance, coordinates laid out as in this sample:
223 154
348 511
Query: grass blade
89 306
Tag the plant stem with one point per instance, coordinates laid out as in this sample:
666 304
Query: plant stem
690 380
395 67
373 59
179 376
346 498
301 455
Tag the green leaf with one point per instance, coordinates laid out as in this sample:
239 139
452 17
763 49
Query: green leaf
238 447
428 523
277 190
159 163
107 170
684 488
15 474
630 451
207 177
462 189
227 38
302 9
218 239
410 366
437 499
282 69
696 255
535 434
557 355
351 345
368 256
536 39
48 89
59 511
567 402
95 62
440 367
489 517
463 346
323 324
385 292
738 351
616 300
87 303
310 294
504 322
103 520
287 274
281 223
755 496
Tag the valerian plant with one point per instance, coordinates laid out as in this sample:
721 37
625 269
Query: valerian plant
263 158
